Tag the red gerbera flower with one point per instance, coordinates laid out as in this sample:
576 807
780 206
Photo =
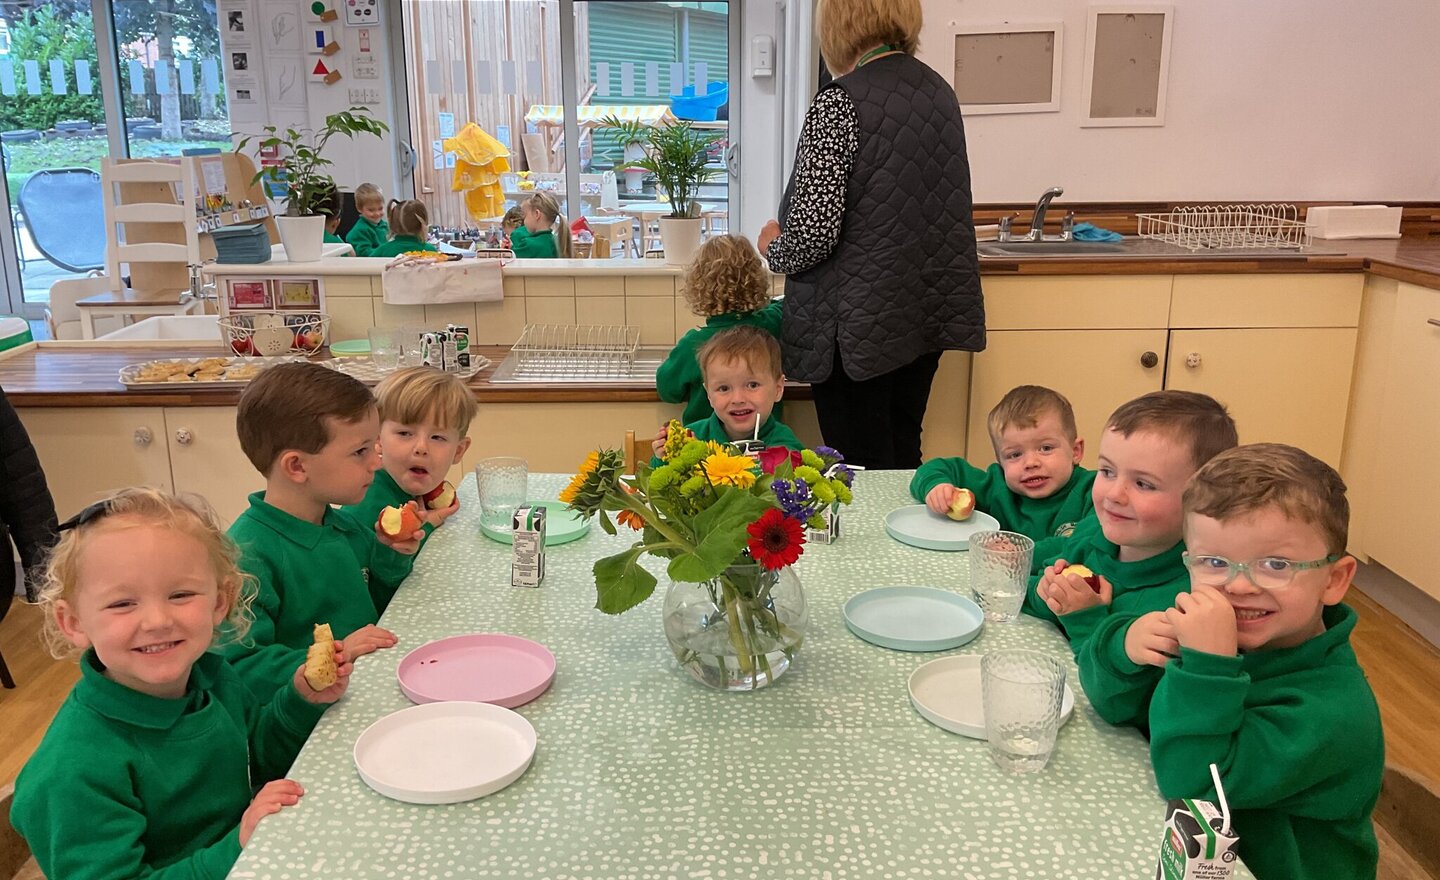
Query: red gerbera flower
772 456
776 540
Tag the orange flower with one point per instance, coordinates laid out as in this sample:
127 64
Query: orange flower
629 517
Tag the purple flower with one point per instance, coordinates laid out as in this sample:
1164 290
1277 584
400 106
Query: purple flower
829 454
794 498
843 474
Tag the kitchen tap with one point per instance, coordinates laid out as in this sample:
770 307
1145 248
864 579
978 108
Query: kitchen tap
1037 220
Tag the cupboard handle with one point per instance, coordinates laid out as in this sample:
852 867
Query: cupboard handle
1149 359
1435 321
143 436
184 437
1192 360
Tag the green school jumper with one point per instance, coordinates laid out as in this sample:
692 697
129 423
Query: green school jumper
1036 518
772 433
679 381
393 567
1296 735
332 238
365 236
125 784
533 245
305 574
401 244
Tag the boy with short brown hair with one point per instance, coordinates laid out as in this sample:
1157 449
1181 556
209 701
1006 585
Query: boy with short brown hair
371 229
1253 670
1037 486
312 432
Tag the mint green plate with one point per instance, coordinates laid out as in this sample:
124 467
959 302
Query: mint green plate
561 525
350 347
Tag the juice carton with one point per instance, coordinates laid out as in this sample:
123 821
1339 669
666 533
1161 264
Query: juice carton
527 565
1199 843
829 531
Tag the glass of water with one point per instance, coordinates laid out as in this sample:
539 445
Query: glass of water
411 351
503 483
999 572
384 348
1022 692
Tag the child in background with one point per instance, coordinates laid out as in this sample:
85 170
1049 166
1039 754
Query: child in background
514 218
331 208
1038 487
370 230
728 285
1150 448
410 226
313 433
150 764
544 232
424 416
1258 675
743 378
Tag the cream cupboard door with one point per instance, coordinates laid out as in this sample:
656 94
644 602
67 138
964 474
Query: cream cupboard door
1096 370
1281 385
1403 536
89 451
205 458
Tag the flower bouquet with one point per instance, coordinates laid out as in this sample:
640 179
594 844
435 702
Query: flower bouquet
730 526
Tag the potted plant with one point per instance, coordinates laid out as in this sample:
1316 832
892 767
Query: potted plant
676 154
631 135
299 170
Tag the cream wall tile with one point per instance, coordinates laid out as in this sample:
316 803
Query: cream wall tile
685 319
350 285
599 285
350 317
550 310
654 315
499 323
648 285
600 310
387 315
549 286
437 316
514 285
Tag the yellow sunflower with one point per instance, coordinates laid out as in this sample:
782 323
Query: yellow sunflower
725 469
568 494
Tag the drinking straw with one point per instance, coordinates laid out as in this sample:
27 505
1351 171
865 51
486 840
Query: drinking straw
1220 795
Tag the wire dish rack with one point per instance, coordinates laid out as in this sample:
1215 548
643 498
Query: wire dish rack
575 351
1205 227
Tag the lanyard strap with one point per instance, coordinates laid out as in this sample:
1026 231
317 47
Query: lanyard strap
882 49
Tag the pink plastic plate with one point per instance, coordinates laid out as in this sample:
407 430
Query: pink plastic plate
482 668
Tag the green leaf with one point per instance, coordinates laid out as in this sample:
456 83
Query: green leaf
606 524
720 536
620 582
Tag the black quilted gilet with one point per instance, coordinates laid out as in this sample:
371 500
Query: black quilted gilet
903 280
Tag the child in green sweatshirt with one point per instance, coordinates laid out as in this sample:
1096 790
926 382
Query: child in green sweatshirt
729 285
1150 447
151 767
1252 670
370 229
544 232
424 417
410 227
1038 487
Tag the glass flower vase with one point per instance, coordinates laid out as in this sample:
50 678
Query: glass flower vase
739 631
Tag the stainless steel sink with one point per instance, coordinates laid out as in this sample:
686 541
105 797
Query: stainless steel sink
1132 249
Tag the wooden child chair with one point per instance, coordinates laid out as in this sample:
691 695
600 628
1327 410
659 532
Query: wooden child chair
637 449
1407 825
16 863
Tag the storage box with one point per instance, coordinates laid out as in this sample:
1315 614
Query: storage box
241 244
1353 221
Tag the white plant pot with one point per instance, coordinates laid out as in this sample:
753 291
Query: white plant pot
634 180
303 237
680 238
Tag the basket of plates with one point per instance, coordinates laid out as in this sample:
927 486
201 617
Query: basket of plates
269 334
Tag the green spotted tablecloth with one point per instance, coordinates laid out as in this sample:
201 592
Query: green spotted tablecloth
641 772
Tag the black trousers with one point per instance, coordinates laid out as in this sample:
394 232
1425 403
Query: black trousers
876 423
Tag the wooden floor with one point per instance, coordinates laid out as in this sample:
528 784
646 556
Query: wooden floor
1403 669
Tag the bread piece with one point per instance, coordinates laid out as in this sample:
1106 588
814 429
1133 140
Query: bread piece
323 635
320 668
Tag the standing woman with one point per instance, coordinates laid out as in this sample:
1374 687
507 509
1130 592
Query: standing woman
876 236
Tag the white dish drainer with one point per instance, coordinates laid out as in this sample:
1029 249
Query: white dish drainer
566 351
1206 227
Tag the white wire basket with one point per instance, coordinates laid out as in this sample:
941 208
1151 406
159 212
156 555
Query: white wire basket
576 350
1207 227
272 333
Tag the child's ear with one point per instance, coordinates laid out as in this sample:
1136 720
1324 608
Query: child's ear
291 466
780 387
227 593
460 449
1342 573
1077 450
69 624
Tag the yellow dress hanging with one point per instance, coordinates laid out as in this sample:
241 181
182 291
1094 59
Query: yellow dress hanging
479 161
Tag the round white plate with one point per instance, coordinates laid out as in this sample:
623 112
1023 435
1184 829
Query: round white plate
444 753
913 618
947 693
915 525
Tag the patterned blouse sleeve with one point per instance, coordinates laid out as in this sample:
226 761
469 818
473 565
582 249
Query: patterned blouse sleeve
811 226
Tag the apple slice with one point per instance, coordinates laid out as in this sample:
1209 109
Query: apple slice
1084 574
441 497
962 506
400 522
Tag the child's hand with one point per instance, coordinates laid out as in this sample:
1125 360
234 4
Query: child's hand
271 799
940 498
1150 640
367 640
407 544
658 445
1205 621
438 516
1068 593
334 691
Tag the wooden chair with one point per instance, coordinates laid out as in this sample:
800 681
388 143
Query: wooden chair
16 863
62 318
637 449
1407 824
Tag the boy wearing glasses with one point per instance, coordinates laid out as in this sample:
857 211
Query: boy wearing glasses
1252 669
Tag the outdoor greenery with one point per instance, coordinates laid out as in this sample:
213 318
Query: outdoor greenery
46 35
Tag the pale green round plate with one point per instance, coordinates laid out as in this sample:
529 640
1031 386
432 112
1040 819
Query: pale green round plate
350 347
561 525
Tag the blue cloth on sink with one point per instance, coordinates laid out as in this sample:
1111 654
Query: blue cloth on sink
1091 232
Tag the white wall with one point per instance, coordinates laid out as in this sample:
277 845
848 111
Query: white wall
1292 99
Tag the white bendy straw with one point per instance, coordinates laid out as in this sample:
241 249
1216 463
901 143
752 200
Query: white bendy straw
1220 794
757 428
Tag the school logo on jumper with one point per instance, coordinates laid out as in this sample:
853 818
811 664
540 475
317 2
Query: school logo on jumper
1065 530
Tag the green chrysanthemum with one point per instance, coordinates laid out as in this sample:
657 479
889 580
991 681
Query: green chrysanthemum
809 474
824 492
816 522
807 457
843 492
662 477
691 454
693 486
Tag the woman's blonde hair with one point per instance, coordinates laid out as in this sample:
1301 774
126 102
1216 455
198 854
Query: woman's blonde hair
549 209
848 27
408 218
128 508
727 276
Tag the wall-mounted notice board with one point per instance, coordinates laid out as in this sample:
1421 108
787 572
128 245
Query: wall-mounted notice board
1127 60
1009 68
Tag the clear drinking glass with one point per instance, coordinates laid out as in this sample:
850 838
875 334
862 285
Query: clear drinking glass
999 572
384 348
1022 694
503 483
410 350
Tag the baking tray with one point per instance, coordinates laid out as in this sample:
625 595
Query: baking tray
130 373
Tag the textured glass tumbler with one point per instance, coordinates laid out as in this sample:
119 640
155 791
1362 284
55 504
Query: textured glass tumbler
384 348
1022 693
502 482
999 572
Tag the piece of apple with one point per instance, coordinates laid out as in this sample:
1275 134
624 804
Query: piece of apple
1084 574
400 522
441 497
962 506
241 345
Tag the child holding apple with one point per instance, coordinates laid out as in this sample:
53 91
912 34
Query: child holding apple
425 414
1037 486
313 433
